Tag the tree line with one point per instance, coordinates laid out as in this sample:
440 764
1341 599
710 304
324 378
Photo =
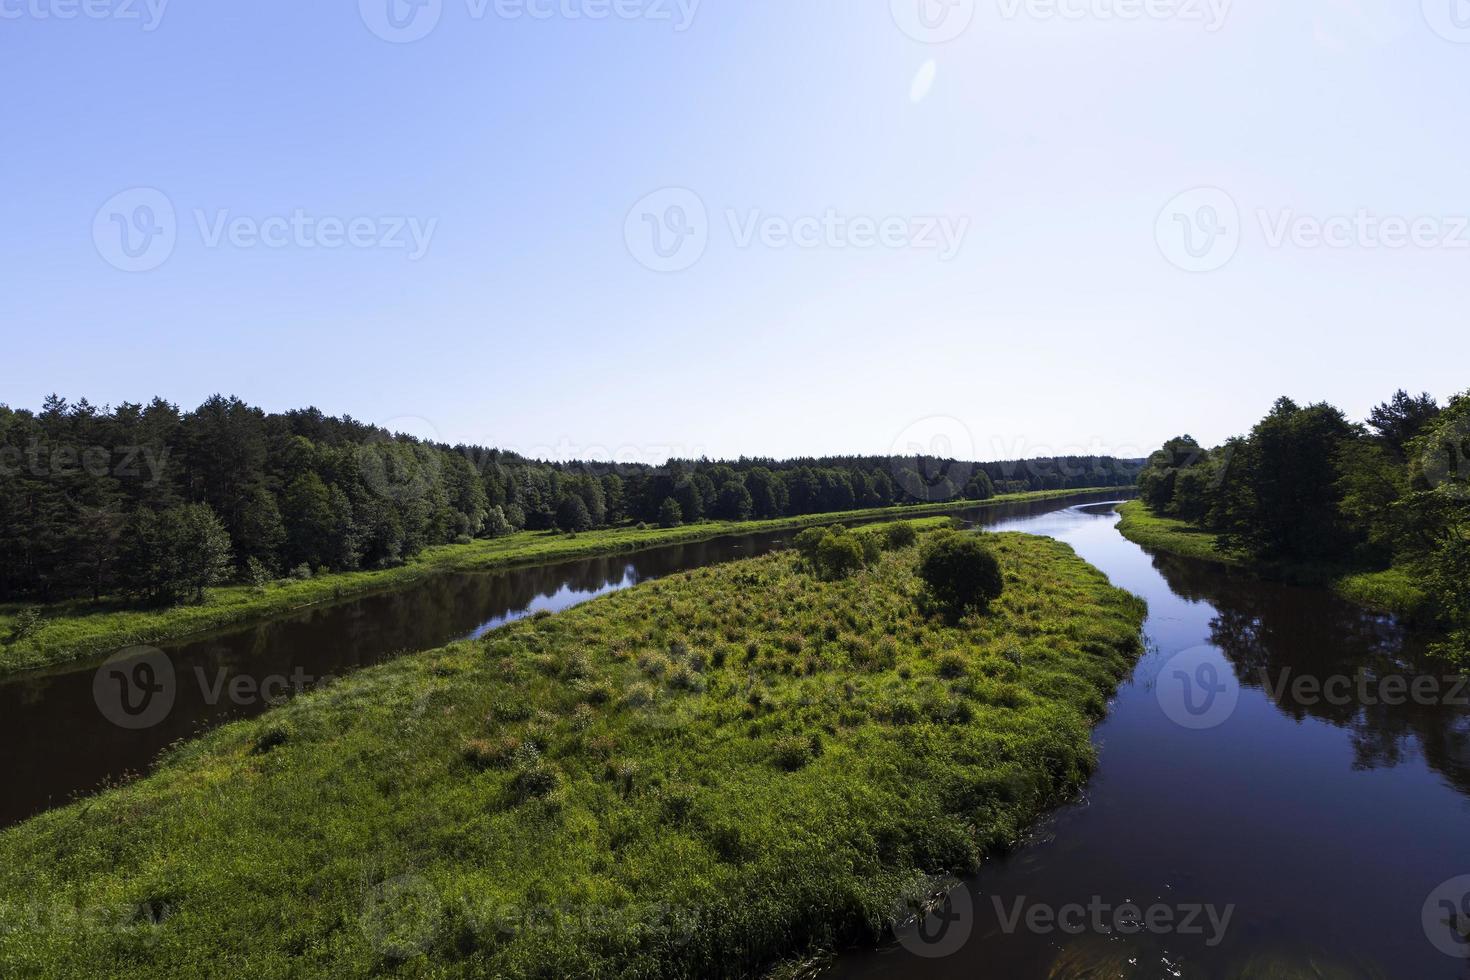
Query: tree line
1309 487
154 503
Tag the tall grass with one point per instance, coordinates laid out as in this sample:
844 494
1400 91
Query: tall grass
694 777
72 630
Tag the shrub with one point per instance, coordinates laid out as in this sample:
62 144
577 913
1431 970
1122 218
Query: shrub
793 752
951 666
301 572
807 543
273 736
485 754
839 555
27 623
900 535
961 573
535 778
685 678
257 575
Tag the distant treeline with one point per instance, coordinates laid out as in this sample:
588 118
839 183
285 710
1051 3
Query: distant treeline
1309 487
149 501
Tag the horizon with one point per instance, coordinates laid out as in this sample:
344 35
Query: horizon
1045 225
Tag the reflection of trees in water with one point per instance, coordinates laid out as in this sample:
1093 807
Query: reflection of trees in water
1273 634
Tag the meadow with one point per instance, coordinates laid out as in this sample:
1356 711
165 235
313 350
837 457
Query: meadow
63 632
702 776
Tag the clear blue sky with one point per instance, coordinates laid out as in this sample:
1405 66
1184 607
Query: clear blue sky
1055 144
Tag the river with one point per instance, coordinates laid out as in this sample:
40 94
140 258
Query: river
1322 826
66 735
1286 824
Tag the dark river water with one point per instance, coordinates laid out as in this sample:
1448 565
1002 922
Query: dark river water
67 732
1269 802
1328 823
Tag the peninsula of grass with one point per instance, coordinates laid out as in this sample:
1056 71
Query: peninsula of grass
1392 591
697 777
74 630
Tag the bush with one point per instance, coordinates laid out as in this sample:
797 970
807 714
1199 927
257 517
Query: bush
808 541
839 555
900 535
257 576
27 624
835 552
952 666
301 572
795 751
961 573
534 779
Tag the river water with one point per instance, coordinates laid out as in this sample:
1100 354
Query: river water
1265 827
65 733
1322 828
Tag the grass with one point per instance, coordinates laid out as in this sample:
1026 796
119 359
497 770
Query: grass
1142 526
73 630
695 777
1393 591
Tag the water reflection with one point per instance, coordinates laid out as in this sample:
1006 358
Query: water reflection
1323 824
58 743
1316 656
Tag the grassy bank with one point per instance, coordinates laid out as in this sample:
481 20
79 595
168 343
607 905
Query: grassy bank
1392 591
69 631
1142 526
694 777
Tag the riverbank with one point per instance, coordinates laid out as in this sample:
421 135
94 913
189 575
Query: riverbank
71 631
1392 591
697 776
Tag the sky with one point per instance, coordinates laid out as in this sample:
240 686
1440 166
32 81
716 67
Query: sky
636 229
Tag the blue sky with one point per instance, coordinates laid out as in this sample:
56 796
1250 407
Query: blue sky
1022 226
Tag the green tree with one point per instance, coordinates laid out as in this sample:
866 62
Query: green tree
197 548
262 533
670 514
960 572
571 514
734 502
839 555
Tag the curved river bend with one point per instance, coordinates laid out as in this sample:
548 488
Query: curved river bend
1323 825
66 732
1300 834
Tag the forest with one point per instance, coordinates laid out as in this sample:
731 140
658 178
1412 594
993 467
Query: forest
1314 493
156 504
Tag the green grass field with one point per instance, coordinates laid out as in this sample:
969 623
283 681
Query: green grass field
1393 591
1142 526
70 631
696 777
